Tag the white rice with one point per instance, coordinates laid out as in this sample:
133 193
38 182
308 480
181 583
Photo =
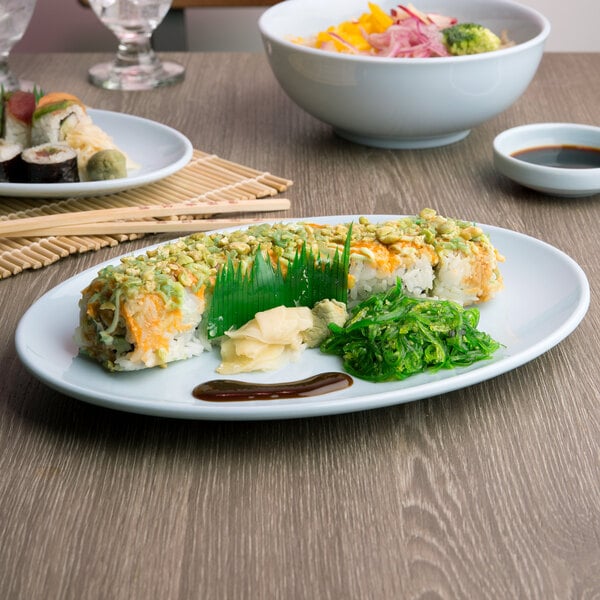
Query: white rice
417 279
53 126
454 278
16 132
182 345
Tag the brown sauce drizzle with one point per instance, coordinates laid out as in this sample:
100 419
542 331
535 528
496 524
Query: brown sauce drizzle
228 390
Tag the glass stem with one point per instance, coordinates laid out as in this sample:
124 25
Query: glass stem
135 51
8 82
3 64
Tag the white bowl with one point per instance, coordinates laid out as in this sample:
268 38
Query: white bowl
555 181
402 102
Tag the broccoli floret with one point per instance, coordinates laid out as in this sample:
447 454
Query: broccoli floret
470 38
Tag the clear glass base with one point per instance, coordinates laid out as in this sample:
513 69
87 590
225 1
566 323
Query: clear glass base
136 77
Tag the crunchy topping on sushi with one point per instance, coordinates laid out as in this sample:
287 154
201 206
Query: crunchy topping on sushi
152 309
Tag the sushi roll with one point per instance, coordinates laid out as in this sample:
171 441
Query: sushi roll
63 118
50 163
18 112
154 308
55 115
12 169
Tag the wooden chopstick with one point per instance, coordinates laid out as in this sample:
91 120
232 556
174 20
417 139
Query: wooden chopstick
149 226
106 217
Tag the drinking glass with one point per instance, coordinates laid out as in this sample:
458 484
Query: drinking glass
14 19
136 66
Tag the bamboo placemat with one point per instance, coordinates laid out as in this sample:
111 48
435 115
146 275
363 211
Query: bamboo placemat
37 232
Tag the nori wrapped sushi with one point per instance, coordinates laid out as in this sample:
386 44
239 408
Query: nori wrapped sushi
51 163
12 169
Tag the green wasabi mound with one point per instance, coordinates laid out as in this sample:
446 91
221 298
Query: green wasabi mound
106 164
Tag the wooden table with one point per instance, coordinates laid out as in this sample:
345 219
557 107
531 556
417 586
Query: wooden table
488 492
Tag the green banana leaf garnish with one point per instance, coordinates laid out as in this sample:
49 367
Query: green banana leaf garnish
38 93
2 101
391 336
238 294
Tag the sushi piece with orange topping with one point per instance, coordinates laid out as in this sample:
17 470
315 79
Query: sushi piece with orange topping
55 115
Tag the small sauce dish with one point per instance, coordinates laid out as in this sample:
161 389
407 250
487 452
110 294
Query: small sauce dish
558 159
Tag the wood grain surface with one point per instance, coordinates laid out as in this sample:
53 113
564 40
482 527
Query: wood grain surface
490 492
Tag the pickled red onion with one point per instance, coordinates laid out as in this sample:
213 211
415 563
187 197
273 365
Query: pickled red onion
409 38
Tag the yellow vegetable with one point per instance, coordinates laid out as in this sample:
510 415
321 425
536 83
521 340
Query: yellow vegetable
375 21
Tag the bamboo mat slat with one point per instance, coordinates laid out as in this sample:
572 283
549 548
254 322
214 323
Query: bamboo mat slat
35 233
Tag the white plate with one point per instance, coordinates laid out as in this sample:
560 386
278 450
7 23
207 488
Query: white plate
157 149
545 297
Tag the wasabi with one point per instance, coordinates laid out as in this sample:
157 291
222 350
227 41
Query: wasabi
106 164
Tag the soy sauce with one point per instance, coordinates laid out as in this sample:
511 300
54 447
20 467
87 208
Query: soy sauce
225 390
563 156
